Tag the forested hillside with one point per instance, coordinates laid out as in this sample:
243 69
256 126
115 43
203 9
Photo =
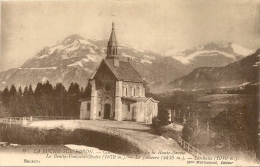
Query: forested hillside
45 100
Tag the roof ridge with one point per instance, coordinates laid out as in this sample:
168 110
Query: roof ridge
152 99
94 73
124 72
111 69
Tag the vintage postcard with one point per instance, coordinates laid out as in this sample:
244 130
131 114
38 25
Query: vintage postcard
130 83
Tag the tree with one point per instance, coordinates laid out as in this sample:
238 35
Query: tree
60 95
12 101
38 93
73 104
21 103
5 97
25 102
87 91
44 98
20 92
236 126
13 91
81 93
48 99
163 116
32 105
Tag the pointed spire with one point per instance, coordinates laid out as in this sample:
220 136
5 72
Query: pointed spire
112 47
112 40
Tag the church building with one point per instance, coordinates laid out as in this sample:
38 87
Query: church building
117 91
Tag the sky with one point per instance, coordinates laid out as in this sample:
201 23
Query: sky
159 26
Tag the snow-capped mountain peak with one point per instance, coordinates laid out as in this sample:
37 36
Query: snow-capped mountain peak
241 50
210 52
72 38
186 59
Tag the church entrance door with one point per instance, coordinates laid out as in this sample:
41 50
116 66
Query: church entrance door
107 111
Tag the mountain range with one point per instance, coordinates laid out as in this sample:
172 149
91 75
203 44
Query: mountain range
236 74
211 54
75 59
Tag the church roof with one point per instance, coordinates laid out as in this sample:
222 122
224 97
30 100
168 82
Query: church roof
124 72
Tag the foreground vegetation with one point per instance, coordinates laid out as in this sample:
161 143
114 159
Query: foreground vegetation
228 126
60 136
232 131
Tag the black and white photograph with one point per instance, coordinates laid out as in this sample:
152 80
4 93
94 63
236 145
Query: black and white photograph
130 83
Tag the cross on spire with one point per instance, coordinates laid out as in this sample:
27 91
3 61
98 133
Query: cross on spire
113 25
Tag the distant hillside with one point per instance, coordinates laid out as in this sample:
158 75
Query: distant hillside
245 71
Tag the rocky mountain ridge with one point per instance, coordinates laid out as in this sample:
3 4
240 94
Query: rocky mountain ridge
236 74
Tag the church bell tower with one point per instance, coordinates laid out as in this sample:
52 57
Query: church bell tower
112 47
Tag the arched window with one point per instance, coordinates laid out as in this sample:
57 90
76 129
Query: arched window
124 90
134 91
88 107
139 91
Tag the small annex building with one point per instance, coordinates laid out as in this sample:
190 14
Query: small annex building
117 91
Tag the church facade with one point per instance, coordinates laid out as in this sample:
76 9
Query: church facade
117 91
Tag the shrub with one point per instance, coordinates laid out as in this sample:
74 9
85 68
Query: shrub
23 135
163 116
156 125
57 136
